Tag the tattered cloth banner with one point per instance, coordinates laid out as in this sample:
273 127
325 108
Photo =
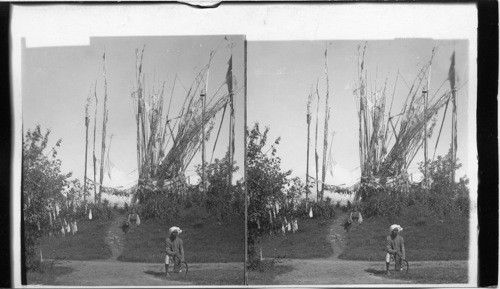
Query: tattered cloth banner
68 228
74 228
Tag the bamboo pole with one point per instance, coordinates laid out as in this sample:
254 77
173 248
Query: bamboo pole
231 123
325 135
87 120
316 143
203 174
308 142
104 122
453 120
93 149
426 172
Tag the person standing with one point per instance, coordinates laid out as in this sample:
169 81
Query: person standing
396 247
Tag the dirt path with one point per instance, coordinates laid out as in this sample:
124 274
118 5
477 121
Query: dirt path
337 235
114 273
116 237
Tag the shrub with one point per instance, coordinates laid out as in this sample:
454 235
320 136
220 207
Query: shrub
100 211
321 209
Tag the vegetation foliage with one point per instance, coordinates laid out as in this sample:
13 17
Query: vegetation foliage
269 186
50 198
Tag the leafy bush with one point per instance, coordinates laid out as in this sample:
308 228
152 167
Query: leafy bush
42 185
100 211
321 209
161 205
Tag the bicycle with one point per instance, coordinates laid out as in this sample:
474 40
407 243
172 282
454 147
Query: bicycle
180 267
405 266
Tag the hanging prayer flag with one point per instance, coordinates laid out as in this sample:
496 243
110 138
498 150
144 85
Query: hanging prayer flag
229 75
451 72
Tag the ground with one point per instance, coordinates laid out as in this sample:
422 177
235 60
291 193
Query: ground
332 270
319 271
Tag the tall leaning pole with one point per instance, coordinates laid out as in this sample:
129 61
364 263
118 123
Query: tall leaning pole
308 143
203 95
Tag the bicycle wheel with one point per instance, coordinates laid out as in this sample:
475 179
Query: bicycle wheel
184 269
405 267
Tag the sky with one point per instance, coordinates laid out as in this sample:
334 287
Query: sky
281 74
56 82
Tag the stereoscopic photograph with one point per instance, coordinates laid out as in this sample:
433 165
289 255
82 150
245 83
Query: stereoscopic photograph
244 145
357 164
132 171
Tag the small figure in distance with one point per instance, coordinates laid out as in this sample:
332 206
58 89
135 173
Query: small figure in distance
355 218
396 247
174 249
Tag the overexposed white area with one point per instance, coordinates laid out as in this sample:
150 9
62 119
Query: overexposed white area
70 25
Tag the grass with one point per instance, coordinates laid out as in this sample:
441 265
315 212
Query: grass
308 242
87 244
435 275
208 242
47 273
268 277
430 274
434 240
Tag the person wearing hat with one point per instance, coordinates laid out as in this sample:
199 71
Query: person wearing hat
395 246
174 248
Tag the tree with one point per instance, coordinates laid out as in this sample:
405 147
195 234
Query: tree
266 182
440 177
42 185
219 198
446 197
